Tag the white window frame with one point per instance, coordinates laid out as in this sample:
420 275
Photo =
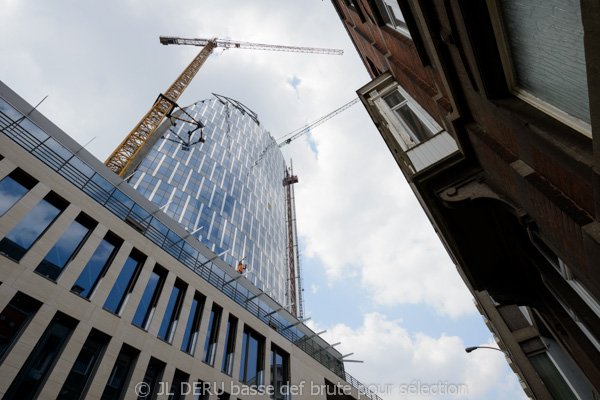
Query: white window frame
400 130
387 12
548 108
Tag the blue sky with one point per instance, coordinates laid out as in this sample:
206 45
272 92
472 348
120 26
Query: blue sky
384 285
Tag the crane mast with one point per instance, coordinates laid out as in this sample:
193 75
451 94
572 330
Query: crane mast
121 159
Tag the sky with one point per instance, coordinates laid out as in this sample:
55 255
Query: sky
375 274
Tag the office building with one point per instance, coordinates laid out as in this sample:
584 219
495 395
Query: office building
104 296
488 108
226 190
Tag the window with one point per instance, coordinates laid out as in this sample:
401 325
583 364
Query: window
120 374
210 345
14 318
66 248
201 390
418 130
221 395
190 335
392 16
229 352
96 267
171 317
147 306
552 377
118 296
541 43
566 273
151 378
76 383
578 287
280 371
253 356
20 239
13 187
177 389
42 358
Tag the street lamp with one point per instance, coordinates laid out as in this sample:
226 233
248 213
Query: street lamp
470 349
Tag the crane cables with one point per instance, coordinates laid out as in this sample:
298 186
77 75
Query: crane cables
295 134
286 139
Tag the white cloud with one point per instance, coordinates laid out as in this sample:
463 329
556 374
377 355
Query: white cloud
355 210
393 357
314 288
359 216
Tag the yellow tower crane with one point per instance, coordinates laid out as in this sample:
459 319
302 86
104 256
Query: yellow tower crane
125 153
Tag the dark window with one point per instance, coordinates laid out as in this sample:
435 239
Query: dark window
13 187
190 336
41 360
177 388
229 352
66 247
120 374
410 119
223 396
171 317
117 298
253 356
201 390
76 383
280 371
20 239
210 345
147 306
151 378
14 318
97 266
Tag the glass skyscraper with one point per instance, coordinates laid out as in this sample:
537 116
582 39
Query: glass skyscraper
227 191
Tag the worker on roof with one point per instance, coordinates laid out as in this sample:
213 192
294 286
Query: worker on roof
240 267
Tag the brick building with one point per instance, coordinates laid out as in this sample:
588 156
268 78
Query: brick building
488 109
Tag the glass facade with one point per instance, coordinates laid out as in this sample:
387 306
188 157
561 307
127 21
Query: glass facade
14 318
77 381
124 283
145 310
13 188
96 267
252 367
192 328
20 239
66 248
229 352
169 322
120 373
227 191
41 360
280 374
210 345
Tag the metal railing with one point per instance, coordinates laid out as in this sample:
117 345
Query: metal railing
60 159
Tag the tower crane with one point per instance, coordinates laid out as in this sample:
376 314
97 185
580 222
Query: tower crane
305 129
124 154
295 134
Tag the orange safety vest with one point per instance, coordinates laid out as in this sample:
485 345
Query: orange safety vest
240 267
